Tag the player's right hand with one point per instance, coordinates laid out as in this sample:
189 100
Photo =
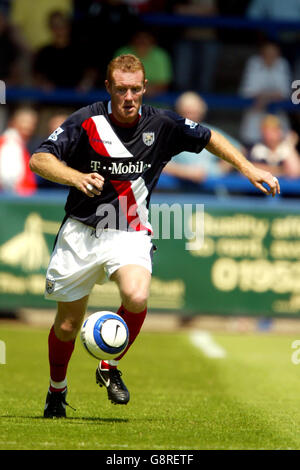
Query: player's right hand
90 184
257 176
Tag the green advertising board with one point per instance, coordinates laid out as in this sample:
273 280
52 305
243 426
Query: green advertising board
247 264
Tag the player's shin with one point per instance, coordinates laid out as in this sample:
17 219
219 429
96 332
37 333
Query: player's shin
60 353
134 322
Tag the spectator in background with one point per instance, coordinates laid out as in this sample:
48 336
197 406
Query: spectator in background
266 79
196 167
142 6
278 10
62 63
31 18
15 175
233 8
196 52
277 151
5 6
103 26
10 53
155 59
146 6
288 10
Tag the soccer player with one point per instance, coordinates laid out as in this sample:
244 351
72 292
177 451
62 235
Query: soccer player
111 155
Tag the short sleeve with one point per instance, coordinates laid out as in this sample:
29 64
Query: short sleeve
188 135
63 141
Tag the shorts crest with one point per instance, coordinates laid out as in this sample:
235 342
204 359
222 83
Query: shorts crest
50 285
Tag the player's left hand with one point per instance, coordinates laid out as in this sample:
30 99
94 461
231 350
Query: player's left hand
258 177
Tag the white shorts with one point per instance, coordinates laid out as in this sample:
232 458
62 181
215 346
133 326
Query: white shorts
83 257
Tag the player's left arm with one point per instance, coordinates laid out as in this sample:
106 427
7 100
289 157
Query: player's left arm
222 148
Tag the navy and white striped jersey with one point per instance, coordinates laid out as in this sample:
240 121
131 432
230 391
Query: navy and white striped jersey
130 159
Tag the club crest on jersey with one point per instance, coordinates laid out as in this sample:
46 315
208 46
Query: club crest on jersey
148 138
50 286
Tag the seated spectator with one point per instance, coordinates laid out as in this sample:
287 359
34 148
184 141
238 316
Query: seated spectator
5 6
62 64
288 10
277 151
102 27
11 53
266 79
146 6
31 19
156 61
196 51
142 6
193 166
277 10
15 175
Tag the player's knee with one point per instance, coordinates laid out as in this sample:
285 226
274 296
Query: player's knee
67 329
135 300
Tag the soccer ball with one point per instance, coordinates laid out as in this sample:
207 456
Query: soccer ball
104 335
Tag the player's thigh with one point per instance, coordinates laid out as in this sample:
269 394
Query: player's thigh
133 282
69 317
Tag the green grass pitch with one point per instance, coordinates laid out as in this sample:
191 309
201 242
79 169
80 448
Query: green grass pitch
180 399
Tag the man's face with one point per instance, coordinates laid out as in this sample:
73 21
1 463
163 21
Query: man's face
126 91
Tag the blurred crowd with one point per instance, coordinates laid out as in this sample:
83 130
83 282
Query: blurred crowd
67 44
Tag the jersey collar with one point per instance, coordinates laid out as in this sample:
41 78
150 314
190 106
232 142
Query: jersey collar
121 124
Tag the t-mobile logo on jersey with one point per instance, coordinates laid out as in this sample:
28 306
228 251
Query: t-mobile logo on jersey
120 168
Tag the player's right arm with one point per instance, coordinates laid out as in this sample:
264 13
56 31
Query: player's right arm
54 159
48 166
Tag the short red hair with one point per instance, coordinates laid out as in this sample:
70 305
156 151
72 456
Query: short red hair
125 63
